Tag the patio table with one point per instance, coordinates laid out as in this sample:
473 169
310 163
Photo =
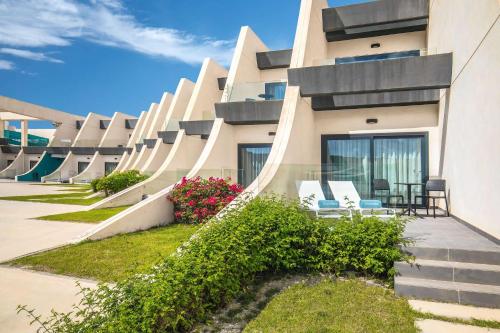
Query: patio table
409 208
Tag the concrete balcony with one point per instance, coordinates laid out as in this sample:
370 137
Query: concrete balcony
358 101
274 59
58 150
168 137
197 127
35 150
10 149
250 112
413 73
83 150
150 143
375 18
112 150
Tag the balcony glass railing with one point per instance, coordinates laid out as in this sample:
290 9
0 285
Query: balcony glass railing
373 57
381 56
256 91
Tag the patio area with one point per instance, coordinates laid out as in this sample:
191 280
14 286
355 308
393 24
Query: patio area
447 233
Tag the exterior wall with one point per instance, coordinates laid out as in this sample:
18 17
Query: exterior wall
469 110
160 116
244 67
90 135
132 140
66 130
116 135
148 118
4 158
175 113
17 167
391 43
186 149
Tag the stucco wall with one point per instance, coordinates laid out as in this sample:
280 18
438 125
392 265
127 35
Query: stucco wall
186 149
470 116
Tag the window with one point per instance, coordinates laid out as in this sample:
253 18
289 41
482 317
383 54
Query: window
251 160
360 159
32 164
82 166
275 91
109 167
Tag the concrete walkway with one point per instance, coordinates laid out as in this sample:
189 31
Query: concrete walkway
39 291
21 235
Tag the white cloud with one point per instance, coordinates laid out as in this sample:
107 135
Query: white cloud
56 23
36 56
6 65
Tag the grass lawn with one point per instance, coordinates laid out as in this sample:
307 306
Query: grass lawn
111 259
341 306
90 216
70 198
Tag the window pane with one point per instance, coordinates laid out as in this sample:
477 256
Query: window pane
349 160
251 161
399 160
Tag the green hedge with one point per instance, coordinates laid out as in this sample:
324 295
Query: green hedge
117 181
268 235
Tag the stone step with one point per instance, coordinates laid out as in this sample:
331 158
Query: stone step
438 326
450 271
464 312
448 291
458 255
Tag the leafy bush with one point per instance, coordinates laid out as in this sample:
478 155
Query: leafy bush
94 184
268 235
197 199
117 182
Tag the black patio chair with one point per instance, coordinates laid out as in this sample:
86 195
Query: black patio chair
434 185
383 185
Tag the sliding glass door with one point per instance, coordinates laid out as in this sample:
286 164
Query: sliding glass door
363 158
251 160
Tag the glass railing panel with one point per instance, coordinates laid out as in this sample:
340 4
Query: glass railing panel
374 57
256 91
380 56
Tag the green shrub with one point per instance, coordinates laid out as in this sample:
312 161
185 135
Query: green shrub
268 235
94 184
117 181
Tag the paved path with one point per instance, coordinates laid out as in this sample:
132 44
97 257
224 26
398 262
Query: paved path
20 235
41 291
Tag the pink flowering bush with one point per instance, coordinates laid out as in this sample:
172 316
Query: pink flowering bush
197 199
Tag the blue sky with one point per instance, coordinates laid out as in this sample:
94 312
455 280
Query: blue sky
120 55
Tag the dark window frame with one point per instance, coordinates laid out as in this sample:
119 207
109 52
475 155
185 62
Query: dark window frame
242 146
372 136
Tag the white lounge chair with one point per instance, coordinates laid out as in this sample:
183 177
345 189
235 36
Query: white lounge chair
311 194
348 196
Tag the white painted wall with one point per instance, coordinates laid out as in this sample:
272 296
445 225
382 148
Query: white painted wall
470 116
186 149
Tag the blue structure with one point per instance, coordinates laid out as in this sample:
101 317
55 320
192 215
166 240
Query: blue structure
46 166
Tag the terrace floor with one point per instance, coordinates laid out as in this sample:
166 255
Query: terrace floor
446 232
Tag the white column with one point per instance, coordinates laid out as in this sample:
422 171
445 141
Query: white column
2 128
24 133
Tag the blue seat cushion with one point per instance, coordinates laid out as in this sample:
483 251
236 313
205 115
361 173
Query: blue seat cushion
328 204
369 204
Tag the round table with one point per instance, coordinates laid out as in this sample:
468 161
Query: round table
409 208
